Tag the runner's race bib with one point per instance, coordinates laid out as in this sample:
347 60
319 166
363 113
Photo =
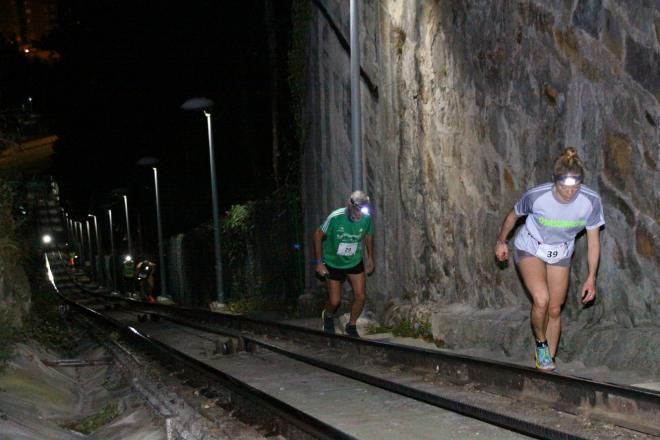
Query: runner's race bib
552 253
347 249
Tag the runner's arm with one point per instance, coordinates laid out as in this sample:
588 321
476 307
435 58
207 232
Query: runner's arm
593 257
369 242
501 247
319 235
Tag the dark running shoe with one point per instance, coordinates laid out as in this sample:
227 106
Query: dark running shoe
328 323
351 331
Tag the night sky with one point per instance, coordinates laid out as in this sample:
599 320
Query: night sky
115 97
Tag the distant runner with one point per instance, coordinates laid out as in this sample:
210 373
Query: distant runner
145 278
128 272
556 213
339 249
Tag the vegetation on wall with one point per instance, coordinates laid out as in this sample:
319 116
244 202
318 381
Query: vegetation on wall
261 252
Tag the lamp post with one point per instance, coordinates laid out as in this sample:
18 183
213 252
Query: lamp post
356 106
67 235
146 161
89 246
112 252
128 226
79 231
98 244
65 232
205 105
96 233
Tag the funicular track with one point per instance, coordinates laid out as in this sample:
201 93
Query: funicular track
436 378
242 400
624 406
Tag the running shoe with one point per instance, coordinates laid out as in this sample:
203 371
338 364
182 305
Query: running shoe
351 331
328 323
556 369
543 359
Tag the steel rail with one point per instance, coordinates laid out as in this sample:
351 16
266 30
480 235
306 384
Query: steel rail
279 409
626 406
453 405
302 421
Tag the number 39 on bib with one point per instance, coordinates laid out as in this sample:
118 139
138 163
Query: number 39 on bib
552 253
347 249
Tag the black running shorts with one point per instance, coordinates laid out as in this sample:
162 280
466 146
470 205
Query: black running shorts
340 274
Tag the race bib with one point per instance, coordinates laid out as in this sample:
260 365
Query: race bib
347 249
552 253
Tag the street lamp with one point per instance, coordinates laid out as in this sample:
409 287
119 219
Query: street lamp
89 245
79 233
96 229
67 236
356 106
205 105
128 226
64 228
98 243
150 161
112 252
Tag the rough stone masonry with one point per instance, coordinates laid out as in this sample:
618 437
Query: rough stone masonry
471 102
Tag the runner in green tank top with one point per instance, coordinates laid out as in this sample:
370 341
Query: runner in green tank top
339 246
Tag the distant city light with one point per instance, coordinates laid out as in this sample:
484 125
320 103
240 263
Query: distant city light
26 50
46 239
128 258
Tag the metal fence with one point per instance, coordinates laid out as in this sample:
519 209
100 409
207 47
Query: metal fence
261 255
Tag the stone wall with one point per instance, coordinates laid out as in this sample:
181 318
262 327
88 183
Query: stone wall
474 99
15 291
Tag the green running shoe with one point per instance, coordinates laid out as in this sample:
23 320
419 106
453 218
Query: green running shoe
543 359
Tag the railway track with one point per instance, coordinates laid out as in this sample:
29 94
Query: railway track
475 388
307 384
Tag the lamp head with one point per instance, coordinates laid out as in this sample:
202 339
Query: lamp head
198 103
147 162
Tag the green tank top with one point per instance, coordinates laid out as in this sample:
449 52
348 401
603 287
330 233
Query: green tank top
343 246
128 268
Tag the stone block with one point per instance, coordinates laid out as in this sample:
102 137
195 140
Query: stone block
613 35
643 65
588 16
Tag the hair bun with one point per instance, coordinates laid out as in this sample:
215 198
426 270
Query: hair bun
570 153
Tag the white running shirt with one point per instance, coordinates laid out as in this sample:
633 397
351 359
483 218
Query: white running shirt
551 221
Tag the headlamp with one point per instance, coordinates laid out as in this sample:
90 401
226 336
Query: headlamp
362 207
568 180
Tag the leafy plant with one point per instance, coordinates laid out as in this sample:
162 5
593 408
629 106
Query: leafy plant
413 329
406 329
254 304
95 421
377 328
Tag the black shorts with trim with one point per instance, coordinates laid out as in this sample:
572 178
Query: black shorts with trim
340 274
